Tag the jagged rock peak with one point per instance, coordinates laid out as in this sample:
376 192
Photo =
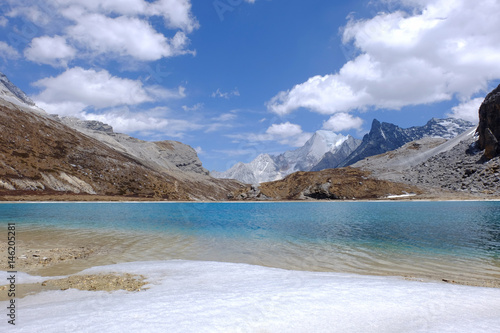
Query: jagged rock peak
15 91
87 124
489 125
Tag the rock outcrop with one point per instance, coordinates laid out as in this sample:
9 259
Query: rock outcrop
161 155
489 125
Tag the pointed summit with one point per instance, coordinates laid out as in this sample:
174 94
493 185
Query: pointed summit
375 125
320 143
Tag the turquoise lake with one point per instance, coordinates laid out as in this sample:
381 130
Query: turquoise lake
436 240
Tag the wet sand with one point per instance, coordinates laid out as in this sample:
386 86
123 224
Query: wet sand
95 282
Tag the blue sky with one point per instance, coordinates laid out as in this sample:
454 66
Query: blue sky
236 78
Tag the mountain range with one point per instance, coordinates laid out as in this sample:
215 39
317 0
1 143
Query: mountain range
440 165
326 150
47 157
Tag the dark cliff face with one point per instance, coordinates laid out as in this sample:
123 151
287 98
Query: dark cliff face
383 137
489 125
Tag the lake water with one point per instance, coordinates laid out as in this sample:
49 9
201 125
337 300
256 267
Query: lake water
439 240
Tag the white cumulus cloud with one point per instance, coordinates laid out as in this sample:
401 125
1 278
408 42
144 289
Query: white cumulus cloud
284 133
125 36
284 130
109 28
435 51
146 123
342 121
468 110
99 89
7 51
177 13
50 50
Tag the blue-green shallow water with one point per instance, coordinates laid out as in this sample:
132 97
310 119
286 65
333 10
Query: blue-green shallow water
458 240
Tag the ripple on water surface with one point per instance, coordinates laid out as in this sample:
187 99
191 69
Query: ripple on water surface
452 240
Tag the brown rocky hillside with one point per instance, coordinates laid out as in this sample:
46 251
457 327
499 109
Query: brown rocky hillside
329 184
41 155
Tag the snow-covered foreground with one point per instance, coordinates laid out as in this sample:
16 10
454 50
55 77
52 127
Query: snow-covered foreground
189 296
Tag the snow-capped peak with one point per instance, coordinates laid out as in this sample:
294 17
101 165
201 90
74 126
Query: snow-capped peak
320 143
331 139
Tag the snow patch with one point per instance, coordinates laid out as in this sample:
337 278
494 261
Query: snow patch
187 296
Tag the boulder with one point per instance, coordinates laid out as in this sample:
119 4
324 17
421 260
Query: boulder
489 125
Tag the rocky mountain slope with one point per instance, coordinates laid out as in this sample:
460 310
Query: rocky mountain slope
461 165
160 156
40 155
384 137
267 167
440 165
455 166
12 94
